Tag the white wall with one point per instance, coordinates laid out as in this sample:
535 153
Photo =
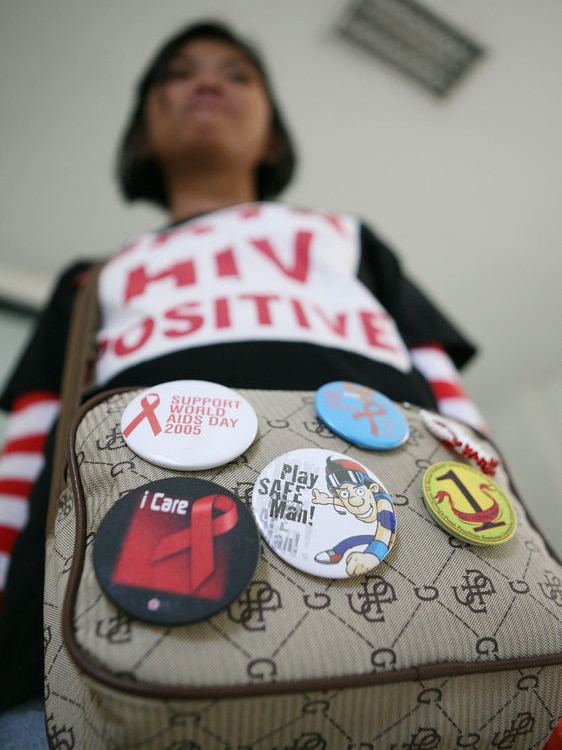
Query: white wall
467 189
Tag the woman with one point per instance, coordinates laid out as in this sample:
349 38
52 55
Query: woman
238 289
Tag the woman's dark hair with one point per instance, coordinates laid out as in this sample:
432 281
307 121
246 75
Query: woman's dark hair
139 175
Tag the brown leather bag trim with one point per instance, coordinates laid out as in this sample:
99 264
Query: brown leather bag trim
79 350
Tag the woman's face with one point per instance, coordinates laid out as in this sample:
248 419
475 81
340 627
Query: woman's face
212 104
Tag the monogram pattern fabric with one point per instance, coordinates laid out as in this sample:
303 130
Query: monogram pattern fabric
443 645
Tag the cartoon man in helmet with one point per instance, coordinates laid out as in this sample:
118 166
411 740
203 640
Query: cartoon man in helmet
353 491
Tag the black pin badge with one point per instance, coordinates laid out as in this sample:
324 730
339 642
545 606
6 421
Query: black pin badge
176 550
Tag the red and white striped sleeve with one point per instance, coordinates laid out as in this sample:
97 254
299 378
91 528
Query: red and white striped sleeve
445 382
21 461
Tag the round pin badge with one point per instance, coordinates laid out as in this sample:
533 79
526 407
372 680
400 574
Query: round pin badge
176 550
361 415
324 513
468 504
189 425
458 439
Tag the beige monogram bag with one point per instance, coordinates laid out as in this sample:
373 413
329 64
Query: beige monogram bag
443 645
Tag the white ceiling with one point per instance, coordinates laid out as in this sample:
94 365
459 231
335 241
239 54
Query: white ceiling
468 189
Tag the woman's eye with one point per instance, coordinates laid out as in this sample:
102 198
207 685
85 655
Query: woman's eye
182 72
176 74
238 75
232 73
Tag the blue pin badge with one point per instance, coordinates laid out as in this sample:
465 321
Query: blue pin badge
361 415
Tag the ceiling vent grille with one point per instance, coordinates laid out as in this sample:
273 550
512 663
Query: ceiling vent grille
412 39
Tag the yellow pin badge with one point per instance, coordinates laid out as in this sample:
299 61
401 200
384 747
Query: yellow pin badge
468 504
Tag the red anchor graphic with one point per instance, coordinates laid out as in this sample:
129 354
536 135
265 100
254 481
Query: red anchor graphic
486 517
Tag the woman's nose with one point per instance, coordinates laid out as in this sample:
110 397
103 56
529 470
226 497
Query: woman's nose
207 79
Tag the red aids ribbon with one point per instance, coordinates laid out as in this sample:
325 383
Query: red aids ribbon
200 535
372 409
149 405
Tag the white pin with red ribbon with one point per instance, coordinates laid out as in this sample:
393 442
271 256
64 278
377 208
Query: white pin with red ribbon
189 424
